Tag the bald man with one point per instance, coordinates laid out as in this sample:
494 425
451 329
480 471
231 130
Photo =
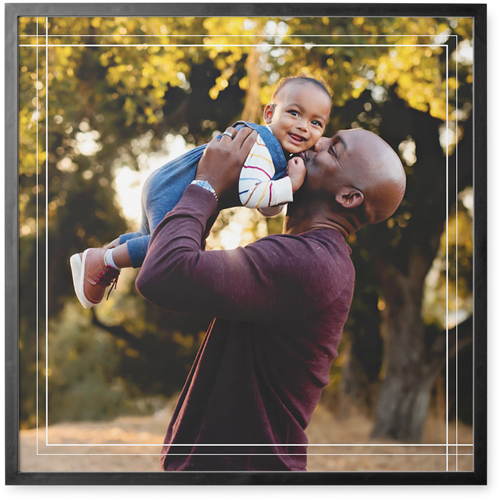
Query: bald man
279 304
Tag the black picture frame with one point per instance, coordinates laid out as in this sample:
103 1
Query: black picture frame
13 475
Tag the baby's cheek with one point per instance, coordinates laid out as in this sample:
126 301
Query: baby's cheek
316 135
312 142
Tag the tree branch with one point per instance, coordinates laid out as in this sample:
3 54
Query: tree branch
118 331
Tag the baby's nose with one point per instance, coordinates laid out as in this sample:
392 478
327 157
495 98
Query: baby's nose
303 124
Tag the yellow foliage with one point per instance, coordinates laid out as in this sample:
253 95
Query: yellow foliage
213 93
243 83
141 74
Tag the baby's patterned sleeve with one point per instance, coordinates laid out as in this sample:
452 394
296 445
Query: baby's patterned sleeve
256 187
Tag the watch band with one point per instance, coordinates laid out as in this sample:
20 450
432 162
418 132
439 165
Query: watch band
205 185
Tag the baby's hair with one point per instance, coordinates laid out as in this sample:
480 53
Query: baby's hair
299 79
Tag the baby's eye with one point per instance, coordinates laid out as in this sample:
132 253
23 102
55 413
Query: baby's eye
317 123
293 112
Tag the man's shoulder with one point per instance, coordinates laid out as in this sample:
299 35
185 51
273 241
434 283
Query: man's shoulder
331 244
325 236
319 248
315 266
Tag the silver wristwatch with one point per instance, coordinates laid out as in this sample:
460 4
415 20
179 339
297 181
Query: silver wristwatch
205 185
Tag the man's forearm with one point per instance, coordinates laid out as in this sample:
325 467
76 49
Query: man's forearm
176 240
243 284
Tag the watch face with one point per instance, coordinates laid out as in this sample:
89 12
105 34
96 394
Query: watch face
205 185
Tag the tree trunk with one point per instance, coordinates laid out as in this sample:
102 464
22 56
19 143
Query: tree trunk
402 409
404 397
362 356
252 111
405 391
356 394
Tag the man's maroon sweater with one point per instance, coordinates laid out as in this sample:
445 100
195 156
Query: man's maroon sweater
279 306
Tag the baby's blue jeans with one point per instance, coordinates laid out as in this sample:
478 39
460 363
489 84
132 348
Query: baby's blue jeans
161 192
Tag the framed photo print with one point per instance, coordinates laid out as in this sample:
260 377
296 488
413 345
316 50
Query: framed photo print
246 244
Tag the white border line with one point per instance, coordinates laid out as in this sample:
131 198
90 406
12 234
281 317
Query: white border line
37 237
262 454
273 45
247 35
447 264
474 233
230 445
46 231
456 256
203 45
240 45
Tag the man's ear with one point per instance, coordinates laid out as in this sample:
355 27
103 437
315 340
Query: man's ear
269 113
350 198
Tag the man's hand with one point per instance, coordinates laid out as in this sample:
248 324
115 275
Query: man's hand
296 170
222 160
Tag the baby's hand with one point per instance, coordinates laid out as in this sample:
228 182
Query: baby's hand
296 170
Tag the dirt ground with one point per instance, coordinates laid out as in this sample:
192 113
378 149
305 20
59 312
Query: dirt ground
132 444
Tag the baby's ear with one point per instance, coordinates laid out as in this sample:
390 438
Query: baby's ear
269 113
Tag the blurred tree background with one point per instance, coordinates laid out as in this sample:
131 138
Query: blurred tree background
120 93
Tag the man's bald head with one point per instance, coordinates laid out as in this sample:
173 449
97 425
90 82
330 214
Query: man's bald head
381 178
357 178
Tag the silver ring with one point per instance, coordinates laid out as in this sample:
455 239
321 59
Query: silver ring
228 134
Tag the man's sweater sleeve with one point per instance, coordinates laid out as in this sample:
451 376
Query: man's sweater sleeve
244 284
